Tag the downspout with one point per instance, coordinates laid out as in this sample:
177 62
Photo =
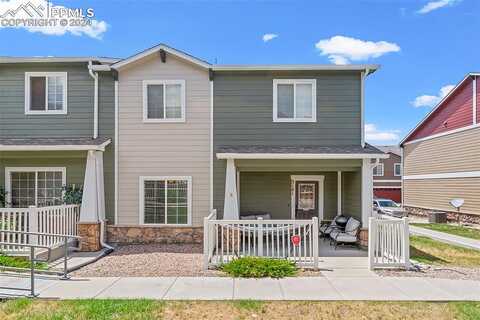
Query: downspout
94 75
363 75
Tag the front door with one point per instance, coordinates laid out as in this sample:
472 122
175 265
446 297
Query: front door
306 200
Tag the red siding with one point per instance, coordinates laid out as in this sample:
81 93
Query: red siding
478 99
454 113
392 194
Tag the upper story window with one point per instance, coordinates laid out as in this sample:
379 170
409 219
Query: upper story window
164 100
378 170
45 93
397 169
294 100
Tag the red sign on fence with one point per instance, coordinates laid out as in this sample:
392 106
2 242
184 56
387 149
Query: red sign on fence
296 240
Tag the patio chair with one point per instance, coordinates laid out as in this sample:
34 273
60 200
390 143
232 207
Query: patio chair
327 228
347 236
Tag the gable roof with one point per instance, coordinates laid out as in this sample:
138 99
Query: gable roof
390 149
156 49
438 106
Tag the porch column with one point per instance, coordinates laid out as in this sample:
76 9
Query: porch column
367 191
230 206
339 193
92 209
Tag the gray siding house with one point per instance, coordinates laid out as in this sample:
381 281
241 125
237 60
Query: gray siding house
48 123
174 137
293 135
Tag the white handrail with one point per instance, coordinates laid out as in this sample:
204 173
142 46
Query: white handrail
296 240
51 220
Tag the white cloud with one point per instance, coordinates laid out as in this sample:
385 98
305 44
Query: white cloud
429 100
269 36
376 135
340 49
23 9
434 5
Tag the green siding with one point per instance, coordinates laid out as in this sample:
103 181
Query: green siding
73 161
270 192
78 122
243 115
352 194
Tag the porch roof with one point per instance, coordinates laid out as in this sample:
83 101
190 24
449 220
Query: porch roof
299 152
53 143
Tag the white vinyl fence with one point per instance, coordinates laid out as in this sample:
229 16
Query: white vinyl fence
388 242
225 240
54 220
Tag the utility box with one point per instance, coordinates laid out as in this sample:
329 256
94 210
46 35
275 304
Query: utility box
437 217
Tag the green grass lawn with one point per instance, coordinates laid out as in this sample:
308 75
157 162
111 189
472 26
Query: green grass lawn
19 262
429 251
451 229
23 309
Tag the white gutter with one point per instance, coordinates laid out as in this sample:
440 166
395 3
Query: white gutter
95 99
305 156
54 147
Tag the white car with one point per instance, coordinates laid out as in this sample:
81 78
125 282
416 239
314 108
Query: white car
389 207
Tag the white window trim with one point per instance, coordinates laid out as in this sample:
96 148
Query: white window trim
141 192
145 100
28 75
313 82
395 171
8 180
383 172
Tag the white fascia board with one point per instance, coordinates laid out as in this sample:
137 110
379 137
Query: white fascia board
138 56
280 67
100 147
56 59
435 108
447 175
281 156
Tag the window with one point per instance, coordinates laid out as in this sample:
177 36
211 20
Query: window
165 200
164 101
378 170
294 100
397 169
45 93
39 187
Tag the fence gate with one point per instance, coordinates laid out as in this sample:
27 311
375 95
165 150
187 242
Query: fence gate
388 243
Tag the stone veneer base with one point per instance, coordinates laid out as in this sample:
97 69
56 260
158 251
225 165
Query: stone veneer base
149 234
363 236
90 236
451 215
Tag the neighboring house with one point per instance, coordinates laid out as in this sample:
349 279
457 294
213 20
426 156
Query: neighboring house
387 175
49 122
441 155
183 137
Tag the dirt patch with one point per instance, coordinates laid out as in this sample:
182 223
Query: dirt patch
450 272
149 260
156 260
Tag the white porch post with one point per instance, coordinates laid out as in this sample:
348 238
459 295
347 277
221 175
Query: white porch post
93 200
230 206
367 191
339 193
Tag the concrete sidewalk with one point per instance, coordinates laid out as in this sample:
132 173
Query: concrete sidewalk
333 286
445 237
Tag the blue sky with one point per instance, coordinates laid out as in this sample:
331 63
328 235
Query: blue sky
428 44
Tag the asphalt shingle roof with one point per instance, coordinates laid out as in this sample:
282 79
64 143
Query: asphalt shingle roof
348 149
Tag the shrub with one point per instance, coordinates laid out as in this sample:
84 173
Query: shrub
254 267
72 195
